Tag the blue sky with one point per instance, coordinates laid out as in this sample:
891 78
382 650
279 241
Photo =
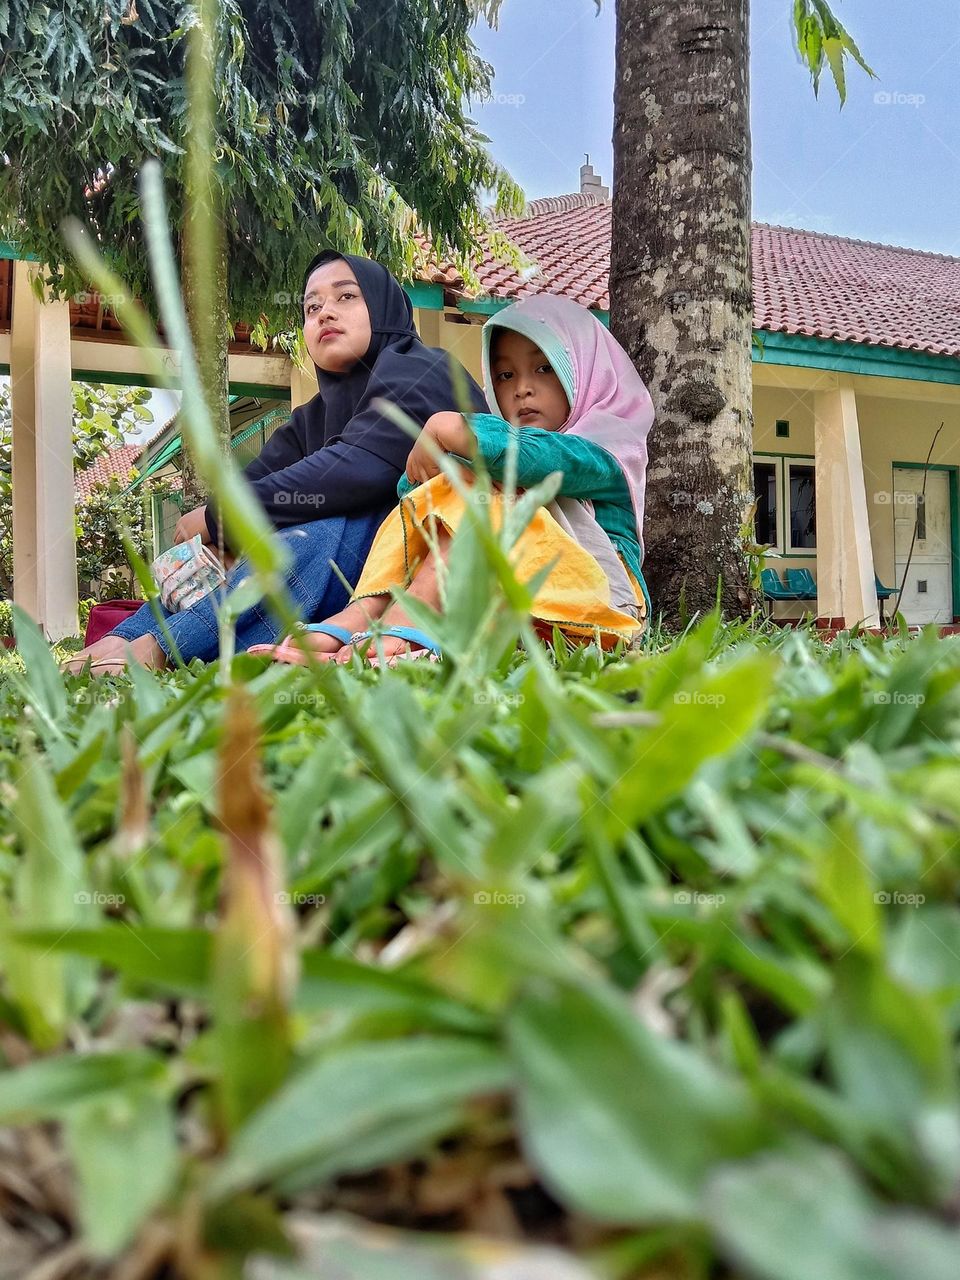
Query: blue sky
885 168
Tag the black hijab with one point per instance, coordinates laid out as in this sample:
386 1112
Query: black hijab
339 449
396 366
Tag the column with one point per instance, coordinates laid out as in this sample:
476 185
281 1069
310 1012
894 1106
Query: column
846 589
44 528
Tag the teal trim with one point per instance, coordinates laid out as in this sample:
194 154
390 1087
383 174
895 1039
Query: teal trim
259 389
428 297
174 445
4 371
954 482
799 351
482 306
10 251
490 307
110 379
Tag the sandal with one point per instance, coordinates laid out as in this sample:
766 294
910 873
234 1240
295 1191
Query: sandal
426 648
92 664
291 651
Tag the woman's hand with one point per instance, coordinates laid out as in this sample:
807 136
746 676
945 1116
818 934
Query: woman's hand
189 525
449 432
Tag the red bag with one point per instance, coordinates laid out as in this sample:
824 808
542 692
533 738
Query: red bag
107 615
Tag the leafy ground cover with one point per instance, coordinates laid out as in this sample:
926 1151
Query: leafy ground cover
543 964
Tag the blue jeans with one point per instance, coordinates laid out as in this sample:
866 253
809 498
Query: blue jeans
316 590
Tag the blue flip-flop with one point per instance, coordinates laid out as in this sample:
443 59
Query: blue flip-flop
428 648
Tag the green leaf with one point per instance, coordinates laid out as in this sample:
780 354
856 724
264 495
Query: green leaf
48 891
348 1095
42 1089
43 674
124 1154
698 724
331 983
173 959
623 1125
802 1213
846 886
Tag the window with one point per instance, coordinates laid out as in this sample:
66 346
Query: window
785 485
765 488
803 506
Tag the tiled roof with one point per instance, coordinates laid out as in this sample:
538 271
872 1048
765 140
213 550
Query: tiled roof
804 282
854 291
115 464
567 239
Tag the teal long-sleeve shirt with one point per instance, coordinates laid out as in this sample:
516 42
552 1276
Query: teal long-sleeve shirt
589 472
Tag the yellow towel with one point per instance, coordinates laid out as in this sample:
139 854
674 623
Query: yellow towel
575 596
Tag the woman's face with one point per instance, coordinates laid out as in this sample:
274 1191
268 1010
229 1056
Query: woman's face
336 322
529 393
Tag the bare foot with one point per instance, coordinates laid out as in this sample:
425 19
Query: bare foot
111 654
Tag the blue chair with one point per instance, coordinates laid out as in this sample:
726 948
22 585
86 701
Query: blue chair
883 595
773 589
803 582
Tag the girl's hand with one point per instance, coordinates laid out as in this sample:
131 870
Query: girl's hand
450 433
190 524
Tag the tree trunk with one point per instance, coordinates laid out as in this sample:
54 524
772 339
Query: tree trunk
209 318
680 286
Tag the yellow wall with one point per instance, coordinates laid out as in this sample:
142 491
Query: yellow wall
896 425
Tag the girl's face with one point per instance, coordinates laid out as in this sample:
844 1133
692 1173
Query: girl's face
336 322
529 393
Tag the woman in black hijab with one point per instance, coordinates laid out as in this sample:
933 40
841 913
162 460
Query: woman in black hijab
328 477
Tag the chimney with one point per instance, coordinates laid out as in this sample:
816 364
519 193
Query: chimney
591 183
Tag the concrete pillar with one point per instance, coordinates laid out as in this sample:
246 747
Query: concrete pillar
44 520
845 576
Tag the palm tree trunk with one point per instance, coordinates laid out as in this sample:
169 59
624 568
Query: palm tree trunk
208 314
680 285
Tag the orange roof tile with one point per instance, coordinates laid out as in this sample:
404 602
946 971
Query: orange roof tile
804 282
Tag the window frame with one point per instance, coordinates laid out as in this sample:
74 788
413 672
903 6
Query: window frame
782 462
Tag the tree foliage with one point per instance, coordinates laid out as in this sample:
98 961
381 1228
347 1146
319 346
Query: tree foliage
822 40
337 123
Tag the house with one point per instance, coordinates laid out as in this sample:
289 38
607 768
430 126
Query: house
856 365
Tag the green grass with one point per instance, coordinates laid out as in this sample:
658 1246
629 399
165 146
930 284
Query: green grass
653 957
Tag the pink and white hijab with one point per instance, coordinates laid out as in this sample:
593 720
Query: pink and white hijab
609 402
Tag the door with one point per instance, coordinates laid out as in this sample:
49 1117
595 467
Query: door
928 593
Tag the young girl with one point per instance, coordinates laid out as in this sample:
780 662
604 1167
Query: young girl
570 398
